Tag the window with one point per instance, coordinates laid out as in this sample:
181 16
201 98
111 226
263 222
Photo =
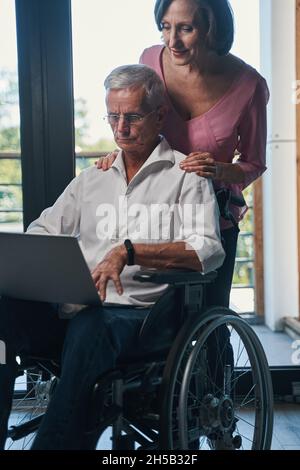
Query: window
243 292
103 38
11 217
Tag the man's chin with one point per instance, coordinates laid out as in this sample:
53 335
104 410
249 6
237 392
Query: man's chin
126 144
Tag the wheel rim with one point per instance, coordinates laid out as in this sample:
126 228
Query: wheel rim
36 387
186 417
30 406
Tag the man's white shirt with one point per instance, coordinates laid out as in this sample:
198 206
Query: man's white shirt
161 204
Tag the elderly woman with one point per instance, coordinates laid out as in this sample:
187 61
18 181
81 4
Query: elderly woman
217 106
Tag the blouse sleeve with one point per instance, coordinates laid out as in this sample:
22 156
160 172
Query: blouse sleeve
142 57
151 57
253 134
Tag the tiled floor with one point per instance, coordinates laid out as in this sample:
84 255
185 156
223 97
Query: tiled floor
286 434
277 345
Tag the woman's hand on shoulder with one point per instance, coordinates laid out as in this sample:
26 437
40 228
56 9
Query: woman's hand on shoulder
201 163
104 163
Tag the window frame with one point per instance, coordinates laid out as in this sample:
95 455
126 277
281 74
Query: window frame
44 41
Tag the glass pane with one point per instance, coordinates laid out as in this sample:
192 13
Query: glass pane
11 216
245 247
104 37
82 163
248 195
246 25
246 225
244 274
242 294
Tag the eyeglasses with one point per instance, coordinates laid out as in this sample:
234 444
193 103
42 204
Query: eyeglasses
130 118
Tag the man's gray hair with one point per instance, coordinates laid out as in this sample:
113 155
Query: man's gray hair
136 76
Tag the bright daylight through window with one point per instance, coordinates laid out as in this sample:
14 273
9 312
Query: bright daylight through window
11 217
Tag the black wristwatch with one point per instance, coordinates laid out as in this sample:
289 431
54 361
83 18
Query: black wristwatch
130 252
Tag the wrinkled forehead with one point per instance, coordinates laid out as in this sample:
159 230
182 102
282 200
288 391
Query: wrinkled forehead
131 97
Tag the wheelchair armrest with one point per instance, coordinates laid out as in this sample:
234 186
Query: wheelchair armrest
183 296
174 277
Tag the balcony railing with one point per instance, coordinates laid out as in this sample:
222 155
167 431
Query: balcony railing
11 210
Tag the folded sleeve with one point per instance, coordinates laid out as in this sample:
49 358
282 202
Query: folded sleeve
253 134
200 221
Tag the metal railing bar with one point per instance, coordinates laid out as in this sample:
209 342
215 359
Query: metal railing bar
7 211
244 260
10 155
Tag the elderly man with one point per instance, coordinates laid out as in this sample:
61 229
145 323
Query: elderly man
144 212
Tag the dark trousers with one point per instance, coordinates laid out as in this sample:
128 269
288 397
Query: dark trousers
86 346
220 352
218 293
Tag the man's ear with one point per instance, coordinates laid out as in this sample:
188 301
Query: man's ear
161 115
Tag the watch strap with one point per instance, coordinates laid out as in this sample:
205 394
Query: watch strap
130 252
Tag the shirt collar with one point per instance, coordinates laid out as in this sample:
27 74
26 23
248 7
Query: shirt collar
162 152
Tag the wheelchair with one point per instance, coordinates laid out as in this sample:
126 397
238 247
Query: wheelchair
201 381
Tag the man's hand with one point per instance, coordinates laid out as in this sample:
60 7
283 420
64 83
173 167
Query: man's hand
110 268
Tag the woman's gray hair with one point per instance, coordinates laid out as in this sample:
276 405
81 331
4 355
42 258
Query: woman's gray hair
136 76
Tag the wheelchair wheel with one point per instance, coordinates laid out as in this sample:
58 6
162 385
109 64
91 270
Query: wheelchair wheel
216 390
34 388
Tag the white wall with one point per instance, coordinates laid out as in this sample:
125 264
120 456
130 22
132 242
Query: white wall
279 183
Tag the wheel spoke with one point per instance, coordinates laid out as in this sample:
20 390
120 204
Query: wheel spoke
210 393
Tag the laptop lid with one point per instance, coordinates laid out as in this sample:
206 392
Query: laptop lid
48 268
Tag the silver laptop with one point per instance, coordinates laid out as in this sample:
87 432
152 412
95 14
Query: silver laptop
48 268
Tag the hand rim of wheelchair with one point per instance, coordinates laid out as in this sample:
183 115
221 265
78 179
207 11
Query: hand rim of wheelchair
41 384
213 318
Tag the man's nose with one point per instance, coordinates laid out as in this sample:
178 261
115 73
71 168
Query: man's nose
123 126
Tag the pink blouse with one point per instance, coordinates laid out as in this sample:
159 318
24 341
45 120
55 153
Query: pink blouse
236 122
